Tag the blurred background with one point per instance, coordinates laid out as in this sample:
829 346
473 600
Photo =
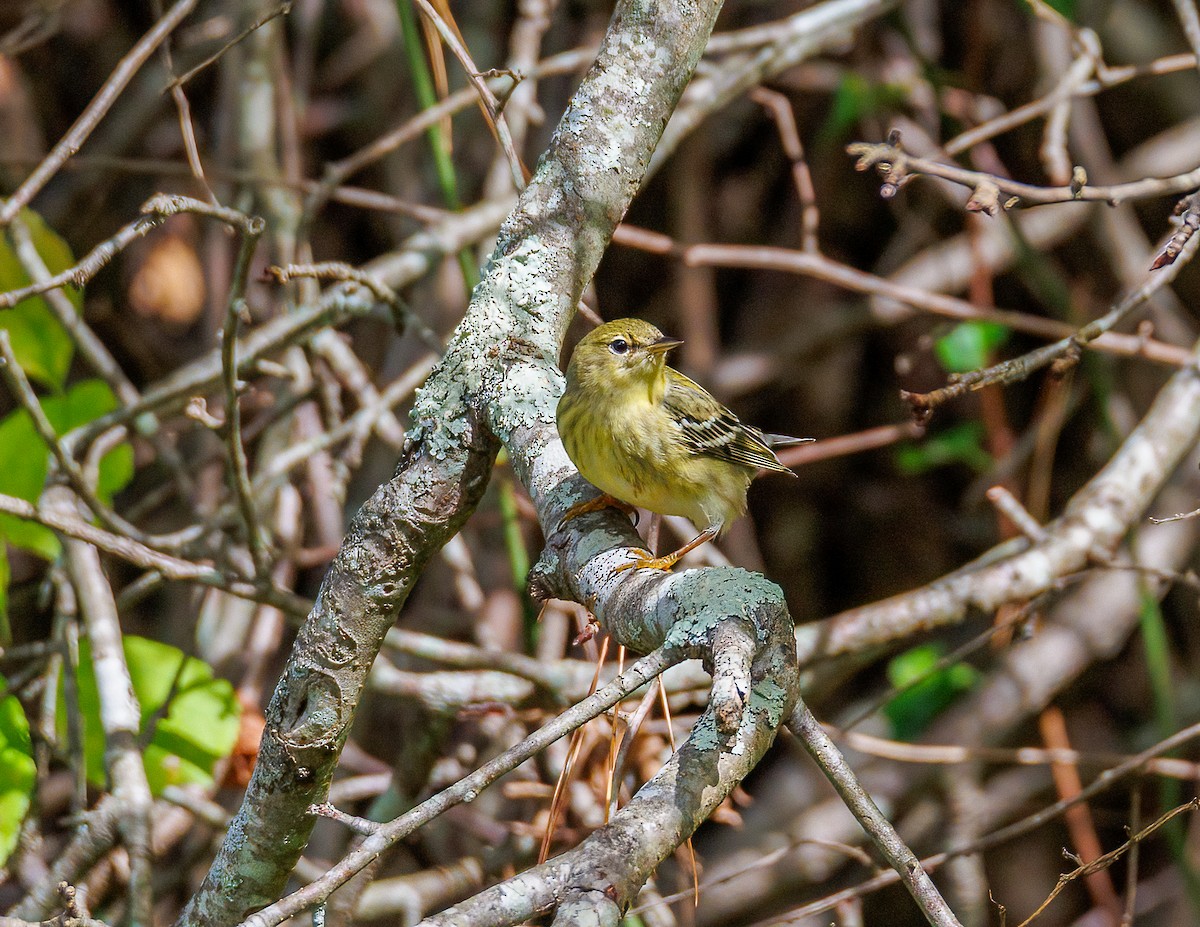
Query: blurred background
303 114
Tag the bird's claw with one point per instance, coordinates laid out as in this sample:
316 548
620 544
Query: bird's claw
596 504
667 561
648 562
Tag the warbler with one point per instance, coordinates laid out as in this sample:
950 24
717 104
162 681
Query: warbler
647 436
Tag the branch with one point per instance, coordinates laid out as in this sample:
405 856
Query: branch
499 380
793 40
95 111
120 715
139 554
898 167
823 268
239 470
1066 350
1094 522
413 260
899 856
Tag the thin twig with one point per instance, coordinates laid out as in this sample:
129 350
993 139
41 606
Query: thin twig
1188 211
1103 862
857 442
1053 149
411 261
1190 20
956 754
491 104
154 211
183 109
1018 828
336 172
1066 349
138 554
902 860
95 110
1080 824
281 10
159 167
1105 79
830 271
1010 507
90 347
87 266
402 313
238 467
780 109
466 789
168 204
898 167
520 104
859 855
18 384
632 727
1131 867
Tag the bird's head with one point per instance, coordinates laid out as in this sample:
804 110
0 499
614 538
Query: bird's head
622 352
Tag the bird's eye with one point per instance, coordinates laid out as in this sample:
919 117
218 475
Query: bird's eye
619 346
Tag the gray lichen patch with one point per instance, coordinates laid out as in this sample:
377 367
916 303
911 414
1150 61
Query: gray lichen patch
528 398
772 699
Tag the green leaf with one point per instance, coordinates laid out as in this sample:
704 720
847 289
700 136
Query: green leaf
24 462
1067 8
25 459
856 98
969 345
925 689
41 344
959 444
18 772
5 579
199 726
85 402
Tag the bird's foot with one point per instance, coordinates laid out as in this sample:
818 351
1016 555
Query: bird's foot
667 561
649 562
596 504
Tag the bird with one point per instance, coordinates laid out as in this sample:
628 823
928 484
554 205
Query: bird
647 436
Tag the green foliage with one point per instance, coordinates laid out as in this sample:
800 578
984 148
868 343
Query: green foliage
41 345
5 579
44 350
25 459
18 772
855 98
969 345
1157 648
190 717
959 444
1068 9
924 689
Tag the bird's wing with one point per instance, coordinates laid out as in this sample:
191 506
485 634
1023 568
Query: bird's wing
712 430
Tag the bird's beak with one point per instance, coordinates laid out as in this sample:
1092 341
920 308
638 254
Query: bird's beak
663 345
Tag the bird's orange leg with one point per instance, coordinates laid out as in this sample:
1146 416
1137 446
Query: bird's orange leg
602 501
667 561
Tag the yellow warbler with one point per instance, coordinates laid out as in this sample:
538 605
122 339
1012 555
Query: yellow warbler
645 435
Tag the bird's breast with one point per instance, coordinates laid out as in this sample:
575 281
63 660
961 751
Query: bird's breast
618 452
